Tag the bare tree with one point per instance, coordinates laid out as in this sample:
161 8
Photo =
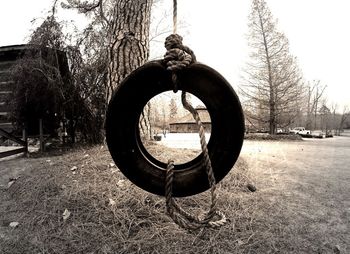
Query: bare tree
333 109
344 116
325 114
272 84
173 109
314 96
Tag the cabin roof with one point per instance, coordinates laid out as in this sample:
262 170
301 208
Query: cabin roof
203 114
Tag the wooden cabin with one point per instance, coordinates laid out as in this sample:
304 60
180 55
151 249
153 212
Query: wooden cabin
187 124
9 55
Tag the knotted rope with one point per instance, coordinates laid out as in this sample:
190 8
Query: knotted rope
177 58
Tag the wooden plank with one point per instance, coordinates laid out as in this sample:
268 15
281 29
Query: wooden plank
4 97
6 64
13 152
4 107
11 137
6 86
6 126
7 82
4 76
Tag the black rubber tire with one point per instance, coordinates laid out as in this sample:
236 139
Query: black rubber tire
122 127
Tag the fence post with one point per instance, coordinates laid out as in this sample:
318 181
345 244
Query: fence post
25 139
41 135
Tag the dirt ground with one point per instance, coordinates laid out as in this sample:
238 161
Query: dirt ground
302 204
306 185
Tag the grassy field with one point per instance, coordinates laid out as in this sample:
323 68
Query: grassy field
95 209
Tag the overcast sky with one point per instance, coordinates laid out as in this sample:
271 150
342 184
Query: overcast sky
318 32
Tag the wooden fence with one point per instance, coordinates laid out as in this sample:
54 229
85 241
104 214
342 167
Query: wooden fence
23 143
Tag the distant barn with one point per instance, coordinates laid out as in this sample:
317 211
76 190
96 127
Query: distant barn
187 124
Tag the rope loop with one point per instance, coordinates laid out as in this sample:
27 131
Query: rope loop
212 219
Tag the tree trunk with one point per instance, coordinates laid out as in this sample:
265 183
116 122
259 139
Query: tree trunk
272 120
129 44
315 115
308 116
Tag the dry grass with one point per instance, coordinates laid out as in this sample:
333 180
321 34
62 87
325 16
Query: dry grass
136 223
163 154
275 219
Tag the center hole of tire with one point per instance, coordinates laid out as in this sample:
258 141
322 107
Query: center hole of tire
169 131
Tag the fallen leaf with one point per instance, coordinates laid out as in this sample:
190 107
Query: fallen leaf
240 242
73 168
121 183
9 184
336 249
14 224
66 214
114 170
112 202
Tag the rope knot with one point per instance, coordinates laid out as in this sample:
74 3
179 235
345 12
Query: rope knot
177 56
173 41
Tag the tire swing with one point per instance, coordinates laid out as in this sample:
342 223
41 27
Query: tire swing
177 71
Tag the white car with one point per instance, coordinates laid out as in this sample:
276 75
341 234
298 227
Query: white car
300 130
304 132
296 130
318 134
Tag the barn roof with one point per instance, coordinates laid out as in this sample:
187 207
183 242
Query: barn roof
14 47
203 114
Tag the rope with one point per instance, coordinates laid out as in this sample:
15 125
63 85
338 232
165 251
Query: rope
177 58
174 16
183 218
